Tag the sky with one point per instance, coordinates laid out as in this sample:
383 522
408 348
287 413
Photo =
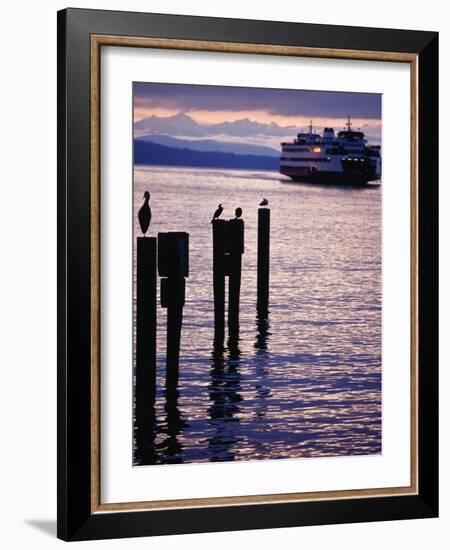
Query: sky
261 116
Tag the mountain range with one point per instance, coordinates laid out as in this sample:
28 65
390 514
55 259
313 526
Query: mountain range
183 125
244 130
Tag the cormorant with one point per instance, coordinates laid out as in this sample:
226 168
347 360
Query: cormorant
264 202
217 213
145 214
238 212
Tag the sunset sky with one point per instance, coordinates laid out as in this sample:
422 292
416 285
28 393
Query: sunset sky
260 115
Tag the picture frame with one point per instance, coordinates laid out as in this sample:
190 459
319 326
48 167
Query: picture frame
81 36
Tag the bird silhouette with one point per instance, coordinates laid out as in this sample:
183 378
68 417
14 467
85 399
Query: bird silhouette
145 214
264 202
217 212
238 212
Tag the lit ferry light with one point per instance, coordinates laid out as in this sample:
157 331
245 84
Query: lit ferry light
316 149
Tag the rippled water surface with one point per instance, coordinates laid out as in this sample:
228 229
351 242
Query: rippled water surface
304 383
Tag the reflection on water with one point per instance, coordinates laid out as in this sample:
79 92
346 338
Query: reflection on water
302 381
171 448
262 334
224 394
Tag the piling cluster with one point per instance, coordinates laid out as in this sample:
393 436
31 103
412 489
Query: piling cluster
168 256
228 247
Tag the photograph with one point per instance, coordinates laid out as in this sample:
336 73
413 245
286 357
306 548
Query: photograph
257 239
247 293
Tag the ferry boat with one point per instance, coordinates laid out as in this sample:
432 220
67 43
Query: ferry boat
344 159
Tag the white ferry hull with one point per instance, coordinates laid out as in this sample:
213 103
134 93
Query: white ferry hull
331 178
359 175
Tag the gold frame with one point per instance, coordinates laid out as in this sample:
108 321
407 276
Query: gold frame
97 41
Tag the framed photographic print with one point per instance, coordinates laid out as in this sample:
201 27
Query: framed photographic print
247 274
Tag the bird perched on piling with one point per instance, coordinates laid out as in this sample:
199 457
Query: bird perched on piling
217 212
264 202
145 214
238 213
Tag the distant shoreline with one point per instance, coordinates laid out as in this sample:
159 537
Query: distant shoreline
150 154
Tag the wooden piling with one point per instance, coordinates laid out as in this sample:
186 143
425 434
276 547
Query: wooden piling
234 292
172 294
218 229
263 262
234 249
145 338
173 265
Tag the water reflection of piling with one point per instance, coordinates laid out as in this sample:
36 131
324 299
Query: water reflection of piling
224 393
262 334
262 346
145 341
175 424
263 261
173 266
145 447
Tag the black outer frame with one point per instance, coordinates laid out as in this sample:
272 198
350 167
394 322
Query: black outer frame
75 521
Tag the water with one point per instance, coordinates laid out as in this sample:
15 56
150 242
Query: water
304 383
